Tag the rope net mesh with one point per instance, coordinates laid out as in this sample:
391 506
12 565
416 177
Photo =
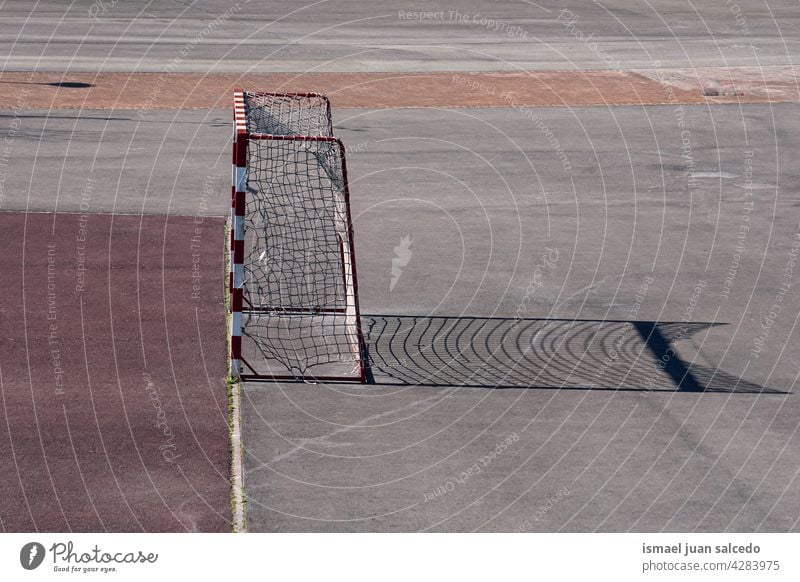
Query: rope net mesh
288 114
298 283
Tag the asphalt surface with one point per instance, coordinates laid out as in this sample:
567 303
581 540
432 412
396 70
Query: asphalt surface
480 226
624 234
472 35
378 459
580 236
133 165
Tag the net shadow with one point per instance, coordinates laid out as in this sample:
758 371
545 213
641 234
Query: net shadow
492 352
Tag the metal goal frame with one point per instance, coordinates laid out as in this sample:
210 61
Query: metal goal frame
240 309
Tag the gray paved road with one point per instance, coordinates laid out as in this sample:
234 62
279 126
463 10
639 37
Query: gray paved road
326 459
386 36
159 164
482 203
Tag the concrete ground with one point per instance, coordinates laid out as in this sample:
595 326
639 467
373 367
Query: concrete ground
630 238
340 36
599 228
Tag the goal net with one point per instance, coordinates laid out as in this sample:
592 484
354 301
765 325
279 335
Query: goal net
293 262
288 114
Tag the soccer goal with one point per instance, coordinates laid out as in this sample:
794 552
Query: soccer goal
294 290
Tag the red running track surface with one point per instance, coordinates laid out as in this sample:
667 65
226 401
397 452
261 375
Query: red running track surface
112 374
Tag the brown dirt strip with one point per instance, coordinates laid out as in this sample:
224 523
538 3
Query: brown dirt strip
392 90
113 418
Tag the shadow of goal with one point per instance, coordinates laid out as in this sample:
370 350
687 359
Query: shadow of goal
496 352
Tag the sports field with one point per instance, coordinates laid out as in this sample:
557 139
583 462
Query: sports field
577 241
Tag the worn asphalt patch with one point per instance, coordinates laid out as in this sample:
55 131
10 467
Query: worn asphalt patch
112 374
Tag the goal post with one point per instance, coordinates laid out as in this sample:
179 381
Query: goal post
294 287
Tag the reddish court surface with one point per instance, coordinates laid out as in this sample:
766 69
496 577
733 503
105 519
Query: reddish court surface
391 90
114 409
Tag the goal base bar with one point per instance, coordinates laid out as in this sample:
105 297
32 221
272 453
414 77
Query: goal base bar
364 378
303 379
293 310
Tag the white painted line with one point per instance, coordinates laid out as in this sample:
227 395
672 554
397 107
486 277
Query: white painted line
237 471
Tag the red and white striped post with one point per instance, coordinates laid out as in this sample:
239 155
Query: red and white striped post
237 229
